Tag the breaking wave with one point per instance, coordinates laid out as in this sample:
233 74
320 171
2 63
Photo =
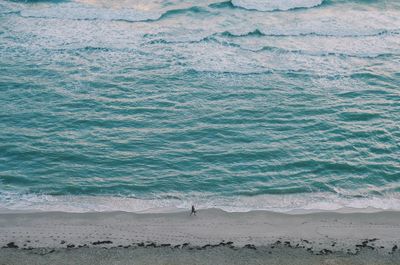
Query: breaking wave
274 5
178 202
75 11
304 33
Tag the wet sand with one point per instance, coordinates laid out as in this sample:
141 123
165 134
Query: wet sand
211 237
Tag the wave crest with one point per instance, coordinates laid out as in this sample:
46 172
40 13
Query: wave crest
79 12
305 33
274 5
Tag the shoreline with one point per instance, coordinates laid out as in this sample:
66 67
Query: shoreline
289 203
174 210
56 237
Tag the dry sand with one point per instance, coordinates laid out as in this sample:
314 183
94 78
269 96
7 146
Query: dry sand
211 237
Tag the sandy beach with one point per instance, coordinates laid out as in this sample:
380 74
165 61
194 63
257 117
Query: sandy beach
211 237
278 120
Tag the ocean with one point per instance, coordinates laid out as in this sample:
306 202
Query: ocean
155 105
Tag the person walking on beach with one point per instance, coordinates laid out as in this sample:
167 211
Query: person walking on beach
193 211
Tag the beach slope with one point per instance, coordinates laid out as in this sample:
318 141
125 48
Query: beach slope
211 237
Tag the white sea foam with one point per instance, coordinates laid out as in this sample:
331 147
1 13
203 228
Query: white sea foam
178 202
76 11
271 5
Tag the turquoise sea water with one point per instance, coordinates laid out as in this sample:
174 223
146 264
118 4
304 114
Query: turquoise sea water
243 104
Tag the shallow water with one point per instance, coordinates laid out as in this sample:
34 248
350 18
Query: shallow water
242 105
